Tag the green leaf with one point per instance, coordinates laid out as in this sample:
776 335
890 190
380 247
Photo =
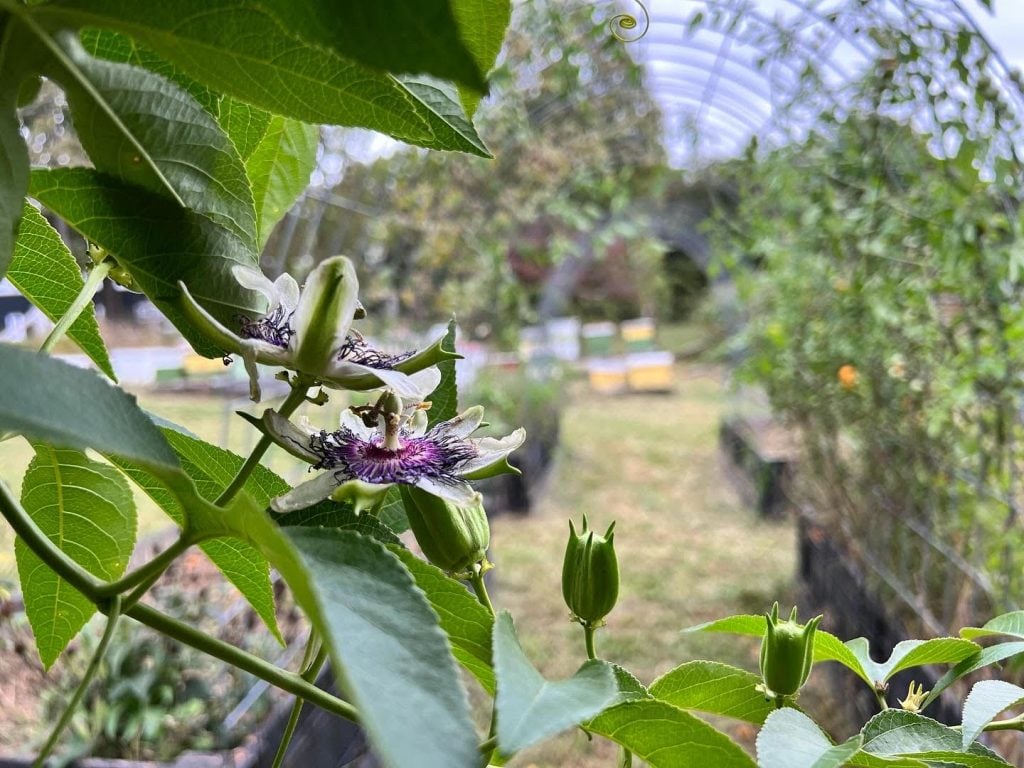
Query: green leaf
245 125
979 660
254 54
467 623
985 701
1010 624
666 737
716 688
159 242
279 167
790 739
13 152
392 513
44 270
444 400
911 653
339 516
146 130
895 733
530 708
827 647
212 469
48 400
389 654
86 509
482 24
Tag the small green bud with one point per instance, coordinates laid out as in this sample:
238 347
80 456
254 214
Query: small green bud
453 538
590 573
787 652
324 314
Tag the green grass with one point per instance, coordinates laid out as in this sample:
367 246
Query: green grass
689 550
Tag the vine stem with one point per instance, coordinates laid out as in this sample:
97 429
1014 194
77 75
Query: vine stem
882 703
480 588
311 665
476 579
82 300
300 387
90 672
148 573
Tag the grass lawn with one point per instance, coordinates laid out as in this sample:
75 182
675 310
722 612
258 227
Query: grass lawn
689 549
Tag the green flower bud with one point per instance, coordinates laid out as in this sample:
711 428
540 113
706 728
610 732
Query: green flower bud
787 652
324 313
453 538
590 573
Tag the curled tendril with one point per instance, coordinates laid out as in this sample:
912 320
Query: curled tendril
628 21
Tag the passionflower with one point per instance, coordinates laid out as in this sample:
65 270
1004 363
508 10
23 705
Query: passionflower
310 331
388 443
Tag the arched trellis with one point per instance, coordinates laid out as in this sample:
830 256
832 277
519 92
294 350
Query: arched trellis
769 68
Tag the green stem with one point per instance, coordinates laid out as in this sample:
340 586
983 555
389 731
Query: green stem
588 635
881 700
247 662
90 673
477 580
82 300
297 396
311 666
1013 724
148 573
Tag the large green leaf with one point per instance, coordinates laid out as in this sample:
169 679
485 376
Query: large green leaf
467 623
146 130
482 24
389 654
530 708
212 469
159 242
985 701
909 654
279 167
666 737
250 52
983 658
1009 624
392 513
13 152
895 733
44 270
48 400
244 124
716 688
790 739
339 516
444 400
86 509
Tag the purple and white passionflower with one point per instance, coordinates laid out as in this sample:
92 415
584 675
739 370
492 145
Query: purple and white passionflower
310 331
398 448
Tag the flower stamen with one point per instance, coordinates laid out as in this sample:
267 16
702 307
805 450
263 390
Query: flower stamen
356 350
274 328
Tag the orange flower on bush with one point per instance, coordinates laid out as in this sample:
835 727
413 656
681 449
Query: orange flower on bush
847 375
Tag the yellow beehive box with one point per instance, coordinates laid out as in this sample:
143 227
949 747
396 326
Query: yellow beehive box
607 376
650 371
638 334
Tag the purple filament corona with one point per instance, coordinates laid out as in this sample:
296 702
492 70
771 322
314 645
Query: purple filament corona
434 455
356 350
274 328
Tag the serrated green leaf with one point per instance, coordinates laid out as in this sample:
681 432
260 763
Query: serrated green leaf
48 400
790 739
86 509
244 124
14 166
985 701
46 273
482 25
250 52
530 708
911 653
444 400
666 737
392 513
716 688
339 516
146 130
159 242
979 660
897 733
466 622
827 647
279 167
1009 624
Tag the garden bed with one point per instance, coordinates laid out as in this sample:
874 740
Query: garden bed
762 453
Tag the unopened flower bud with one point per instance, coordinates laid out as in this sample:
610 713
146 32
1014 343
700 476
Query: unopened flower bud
453 538
787 652
590 573
323 316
